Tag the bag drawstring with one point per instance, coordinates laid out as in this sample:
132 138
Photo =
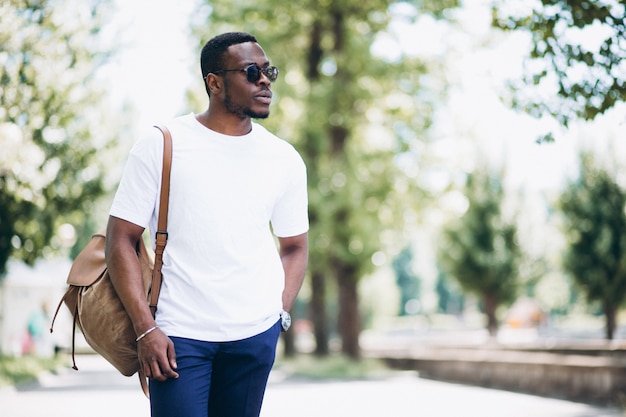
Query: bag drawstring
56 313
73 328
74 367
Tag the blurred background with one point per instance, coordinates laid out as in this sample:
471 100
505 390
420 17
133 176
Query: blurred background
467 181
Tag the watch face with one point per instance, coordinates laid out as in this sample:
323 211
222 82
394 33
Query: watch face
285 320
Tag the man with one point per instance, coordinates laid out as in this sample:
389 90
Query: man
226 288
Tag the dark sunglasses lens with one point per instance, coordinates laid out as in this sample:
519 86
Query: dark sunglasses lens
272 73
253 73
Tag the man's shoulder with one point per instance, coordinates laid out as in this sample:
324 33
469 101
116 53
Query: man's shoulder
151 136
261 130
264 134
184 121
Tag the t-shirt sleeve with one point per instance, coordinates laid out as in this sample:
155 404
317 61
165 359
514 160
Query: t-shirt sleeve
290 216
136 197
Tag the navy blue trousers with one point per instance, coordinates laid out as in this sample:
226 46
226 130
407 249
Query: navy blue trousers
217 379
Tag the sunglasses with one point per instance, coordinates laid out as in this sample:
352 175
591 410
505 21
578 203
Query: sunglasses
253 72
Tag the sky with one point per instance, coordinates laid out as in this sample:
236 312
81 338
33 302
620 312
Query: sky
154 69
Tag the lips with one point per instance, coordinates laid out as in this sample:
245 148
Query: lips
265 97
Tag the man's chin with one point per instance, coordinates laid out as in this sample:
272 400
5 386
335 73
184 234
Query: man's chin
259 115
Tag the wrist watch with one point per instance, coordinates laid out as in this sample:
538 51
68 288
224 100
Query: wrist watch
285 320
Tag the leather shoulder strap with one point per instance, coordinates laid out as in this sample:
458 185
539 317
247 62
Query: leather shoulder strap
161 233
165 179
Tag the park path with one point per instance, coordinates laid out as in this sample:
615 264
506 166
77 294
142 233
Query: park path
97 390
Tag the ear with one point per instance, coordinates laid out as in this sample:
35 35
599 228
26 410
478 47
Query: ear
214 83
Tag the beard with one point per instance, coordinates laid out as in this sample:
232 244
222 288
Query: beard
241 111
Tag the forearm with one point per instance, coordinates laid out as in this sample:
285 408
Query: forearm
294 256
155 350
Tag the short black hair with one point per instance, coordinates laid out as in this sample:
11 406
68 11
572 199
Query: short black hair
212 56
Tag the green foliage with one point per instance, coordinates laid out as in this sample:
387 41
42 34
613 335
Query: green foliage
334 367
49 169
578 53
14 370
595 225
480 248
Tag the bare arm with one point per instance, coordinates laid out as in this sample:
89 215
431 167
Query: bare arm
156 350
294 254
121 241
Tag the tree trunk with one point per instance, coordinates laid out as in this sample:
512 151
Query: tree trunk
490 306
315 51
349 319
289 343
318 312
610 313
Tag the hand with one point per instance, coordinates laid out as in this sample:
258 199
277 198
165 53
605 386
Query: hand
157 356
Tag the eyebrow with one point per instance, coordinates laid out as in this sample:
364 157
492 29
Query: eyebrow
265 64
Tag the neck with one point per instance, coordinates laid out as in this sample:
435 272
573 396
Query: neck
226 124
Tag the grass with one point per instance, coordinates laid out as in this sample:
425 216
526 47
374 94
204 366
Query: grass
20 370
334 367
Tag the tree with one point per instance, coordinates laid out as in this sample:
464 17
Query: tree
333 93
480 248
49 169
595 224
577 61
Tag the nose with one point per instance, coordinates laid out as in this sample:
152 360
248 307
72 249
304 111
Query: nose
264 79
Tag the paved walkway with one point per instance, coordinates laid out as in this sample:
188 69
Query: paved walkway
98 391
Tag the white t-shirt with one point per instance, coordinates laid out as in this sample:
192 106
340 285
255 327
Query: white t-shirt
222 275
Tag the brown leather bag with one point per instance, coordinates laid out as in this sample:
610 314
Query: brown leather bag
93 302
